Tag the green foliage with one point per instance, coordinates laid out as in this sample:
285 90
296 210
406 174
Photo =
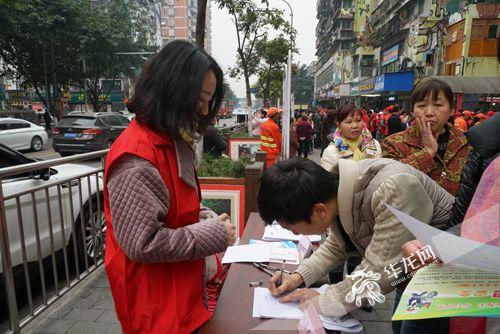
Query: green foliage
273 55
241 133
229 93
224 167
303 85
252 24
44 42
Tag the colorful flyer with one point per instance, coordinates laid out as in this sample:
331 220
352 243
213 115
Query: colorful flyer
450 291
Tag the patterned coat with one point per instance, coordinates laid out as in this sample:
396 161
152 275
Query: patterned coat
407 147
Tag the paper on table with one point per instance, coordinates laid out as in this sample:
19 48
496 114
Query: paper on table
450 248
247 253
266 305
281 250
275 232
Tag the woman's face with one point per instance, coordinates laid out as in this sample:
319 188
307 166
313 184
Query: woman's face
436 112
207 92
352 126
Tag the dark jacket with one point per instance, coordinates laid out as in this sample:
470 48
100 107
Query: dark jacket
395 125
485 141
304 130
214 143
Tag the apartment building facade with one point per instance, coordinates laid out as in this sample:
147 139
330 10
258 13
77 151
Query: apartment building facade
178 21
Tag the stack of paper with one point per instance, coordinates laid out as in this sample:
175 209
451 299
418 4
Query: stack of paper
247 253
266 305
275 232
281 251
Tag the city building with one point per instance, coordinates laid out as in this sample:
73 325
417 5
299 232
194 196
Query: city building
472 40
178 21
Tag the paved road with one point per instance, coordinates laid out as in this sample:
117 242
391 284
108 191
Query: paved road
48 152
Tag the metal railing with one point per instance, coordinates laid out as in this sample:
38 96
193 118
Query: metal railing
52 230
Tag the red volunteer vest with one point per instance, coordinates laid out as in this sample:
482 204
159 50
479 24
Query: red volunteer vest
163 297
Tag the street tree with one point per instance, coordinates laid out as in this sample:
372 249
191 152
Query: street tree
252 24
302 85
272 55
37 43
108 31
229 94
200 23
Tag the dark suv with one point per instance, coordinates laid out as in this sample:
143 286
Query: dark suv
80 132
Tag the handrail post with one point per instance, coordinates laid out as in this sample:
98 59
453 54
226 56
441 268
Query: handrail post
252 178
7 266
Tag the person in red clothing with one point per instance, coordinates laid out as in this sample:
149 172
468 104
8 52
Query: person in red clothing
158 236
304 134
270 137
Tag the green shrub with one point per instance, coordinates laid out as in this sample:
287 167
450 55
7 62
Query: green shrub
224 167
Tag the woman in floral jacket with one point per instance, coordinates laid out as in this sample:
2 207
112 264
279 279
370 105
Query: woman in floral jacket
431 144
351 140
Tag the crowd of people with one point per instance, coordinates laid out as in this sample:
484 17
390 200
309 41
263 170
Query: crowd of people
163 248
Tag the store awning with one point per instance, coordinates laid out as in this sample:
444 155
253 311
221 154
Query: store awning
472 85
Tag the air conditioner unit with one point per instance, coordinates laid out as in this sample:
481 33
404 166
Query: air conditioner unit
429 71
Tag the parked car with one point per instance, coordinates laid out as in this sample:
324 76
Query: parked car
80 132
19 134
27 115
64 214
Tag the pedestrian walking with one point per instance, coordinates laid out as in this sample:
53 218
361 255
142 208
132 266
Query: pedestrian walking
157 235
304 134
431 144
47 119
394 123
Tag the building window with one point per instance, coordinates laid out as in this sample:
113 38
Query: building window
170 2
171 11
429 59
477 30
493 31
172 33
347 4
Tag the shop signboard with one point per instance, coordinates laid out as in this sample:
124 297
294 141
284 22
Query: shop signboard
113 97
330 93
367 86
390 55
345 90
379 83
354 89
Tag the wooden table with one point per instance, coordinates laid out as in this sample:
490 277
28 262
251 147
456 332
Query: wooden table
233 313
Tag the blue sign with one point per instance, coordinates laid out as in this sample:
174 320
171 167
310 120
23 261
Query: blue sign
395 82
391 55
379 83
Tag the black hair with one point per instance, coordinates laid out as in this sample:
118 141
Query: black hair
347 110
289 190
432 87
166 96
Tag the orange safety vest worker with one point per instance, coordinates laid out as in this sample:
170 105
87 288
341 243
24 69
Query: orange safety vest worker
270 138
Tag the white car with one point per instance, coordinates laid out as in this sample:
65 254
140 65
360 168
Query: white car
62 213
19 134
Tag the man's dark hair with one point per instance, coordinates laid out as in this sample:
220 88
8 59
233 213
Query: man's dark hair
431 87
166 96
289 190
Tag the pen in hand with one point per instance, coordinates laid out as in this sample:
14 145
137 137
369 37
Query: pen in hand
280 281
